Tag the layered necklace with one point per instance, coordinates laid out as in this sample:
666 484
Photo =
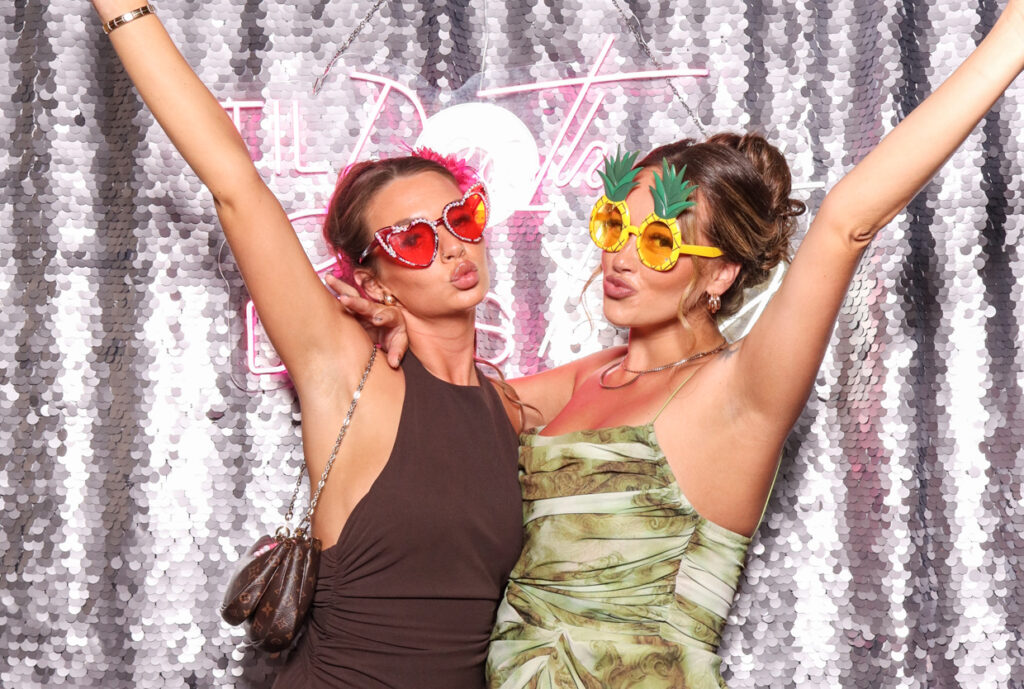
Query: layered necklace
644 372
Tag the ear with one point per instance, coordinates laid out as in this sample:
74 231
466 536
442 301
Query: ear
722 277
368 283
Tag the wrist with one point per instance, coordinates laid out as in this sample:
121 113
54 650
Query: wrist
109 9
1012 20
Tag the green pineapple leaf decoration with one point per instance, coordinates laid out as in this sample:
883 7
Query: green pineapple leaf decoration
619 175
671 193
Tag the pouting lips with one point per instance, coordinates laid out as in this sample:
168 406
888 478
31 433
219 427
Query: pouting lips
617 289
463 269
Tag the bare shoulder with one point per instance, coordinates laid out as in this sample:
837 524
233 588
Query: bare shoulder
586 366
576 370
549 391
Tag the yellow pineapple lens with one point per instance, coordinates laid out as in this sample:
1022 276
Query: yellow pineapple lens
655 246
606 227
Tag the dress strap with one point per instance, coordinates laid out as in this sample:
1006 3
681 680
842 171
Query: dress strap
771 489
673 395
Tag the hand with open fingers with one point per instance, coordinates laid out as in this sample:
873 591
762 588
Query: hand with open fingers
385 324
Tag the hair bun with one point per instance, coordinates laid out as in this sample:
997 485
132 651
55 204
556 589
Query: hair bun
791 208
744 183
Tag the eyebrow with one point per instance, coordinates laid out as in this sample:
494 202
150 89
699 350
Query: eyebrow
406 221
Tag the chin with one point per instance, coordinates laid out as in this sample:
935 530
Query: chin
479 292
476 296
618 316
634 316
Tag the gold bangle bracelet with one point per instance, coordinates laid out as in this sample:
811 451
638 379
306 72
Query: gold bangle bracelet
122 19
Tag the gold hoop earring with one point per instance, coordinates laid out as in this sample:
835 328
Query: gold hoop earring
714 303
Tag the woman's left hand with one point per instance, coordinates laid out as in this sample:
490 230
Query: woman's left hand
385 324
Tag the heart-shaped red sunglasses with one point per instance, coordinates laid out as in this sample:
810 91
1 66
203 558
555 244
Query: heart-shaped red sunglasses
415 244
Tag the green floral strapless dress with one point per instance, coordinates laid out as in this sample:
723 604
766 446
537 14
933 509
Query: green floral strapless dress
621 583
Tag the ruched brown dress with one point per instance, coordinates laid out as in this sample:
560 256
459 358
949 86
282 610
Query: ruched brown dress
407 596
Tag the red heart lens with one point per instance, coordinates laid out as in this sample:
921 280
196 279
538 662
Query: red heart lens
467 218
415 244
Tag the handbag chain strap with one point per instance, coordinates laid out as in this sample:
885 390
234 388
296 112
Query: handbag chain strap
307 519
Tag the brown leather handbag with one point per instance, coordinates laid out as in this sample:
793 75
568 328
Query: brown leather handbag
273 584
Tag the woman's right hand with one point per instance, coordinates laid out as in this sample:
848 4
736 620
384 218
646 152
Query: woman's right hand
384 324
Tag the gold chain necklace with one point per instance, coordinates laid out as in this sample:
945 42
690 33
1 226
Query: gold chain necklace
643 372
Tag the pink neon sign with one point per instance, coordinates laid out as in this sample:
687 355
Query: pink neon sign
248 114
585 83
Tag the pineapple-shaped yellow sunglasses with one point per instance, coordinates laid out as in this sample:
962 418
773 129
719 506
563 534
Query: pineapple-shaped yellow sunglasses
659 242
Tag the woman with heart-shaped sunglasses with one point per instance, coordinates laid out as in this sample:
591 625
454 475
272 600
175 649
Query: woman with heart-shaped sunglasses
421 518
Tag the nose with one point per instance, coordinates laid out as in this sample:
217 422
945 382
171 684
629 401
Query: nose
626 258
449 247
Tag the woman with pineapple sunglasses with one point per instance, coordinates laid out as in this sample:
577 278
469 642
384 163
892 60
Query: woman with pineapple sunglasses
651 464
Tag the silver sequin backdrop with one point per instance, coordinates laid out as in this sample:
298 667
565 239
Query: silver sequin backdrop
140 452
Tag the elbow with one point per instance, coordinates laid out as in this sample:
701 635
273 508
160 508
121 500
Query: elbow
856 227
238 192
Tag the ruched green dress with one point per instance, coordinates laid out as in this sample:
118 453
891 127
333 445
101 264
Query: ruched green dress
621 583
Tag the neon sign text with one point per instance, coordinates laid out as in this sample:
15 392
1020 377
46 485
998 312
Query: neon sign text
594 77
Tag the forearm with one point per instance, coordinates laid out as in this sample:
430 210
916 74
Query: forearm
882 184
193 119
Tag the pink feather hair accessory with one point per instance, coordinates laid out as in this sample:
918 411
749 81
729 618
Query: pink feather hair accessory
464 173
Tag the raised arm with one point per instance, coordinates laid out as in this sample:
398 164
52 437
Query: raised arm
298 313
777 362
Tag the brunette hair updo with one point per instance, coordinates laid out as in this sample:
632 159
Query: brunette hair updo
345 228
743 184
